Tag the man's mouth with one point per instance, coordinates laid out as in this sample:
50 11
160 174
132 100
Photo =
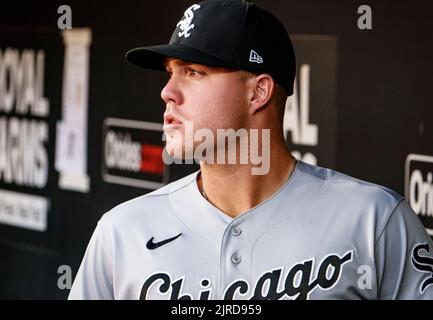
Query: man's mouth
171 122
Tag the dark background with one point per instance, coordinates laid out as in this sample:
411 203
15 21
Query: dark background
383 103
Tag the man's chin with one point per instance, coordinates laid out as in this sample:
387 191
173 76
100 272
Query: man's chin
176 151
179 149
169 148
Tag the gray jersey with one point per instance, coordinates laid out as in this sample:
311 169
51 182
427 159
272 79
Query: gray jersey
322 235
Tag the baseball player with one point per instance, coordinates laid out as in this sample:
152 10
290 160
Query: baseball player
295 231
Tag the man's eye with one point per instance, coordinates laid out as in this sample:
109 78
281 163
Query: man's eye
169 73
194 73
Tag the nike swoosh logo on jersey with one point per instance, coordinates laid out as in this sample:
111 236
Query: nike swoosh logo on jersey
153 245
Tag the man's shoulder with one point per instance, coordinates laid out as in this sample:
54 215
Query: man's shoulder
153 202
351 199
341 185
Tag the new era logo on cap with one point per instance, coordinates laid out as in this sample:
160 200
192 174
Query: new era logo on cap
255 57
185 24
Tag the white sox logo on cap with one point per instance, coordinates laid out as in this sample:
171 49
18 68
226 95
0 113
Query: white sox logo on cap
185 24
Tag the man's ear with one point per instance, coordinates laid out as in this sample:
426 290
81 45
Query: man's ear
262 92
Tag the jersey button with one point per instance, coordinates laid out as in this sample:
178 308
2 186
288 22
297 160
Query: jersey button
236 259
236 231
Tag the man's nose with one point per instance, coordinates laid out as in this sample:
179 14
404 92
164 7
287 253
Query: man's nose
171 92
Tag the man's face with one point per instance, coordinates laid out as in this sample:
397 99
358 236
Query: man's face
209 97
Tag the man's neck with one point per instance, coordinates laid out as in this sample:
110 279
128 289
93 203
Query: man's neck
233 189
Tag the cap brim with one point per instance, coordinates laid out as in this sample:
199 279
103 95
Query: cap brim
153 57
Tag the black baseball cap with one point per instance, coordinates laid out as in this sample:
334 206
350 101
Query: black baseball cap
227 33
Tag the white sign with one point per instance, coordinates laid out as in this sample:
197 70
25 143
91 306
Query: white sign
71 143
419 187
23 210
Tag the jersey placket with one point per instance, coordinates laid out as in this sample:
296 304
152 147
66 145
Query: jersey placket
235 259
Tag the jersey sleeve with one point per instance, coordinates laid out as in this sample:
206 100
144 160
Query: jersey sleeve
404 257
94 280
